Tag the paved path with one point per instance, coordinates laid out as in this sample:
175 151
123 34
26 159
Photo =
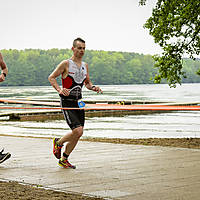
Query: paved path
117 171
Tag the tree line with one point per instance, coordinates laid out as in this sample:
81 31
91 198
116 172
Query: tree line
31 67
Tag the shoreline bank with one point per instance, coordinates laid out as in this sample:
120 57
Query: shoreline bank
193 143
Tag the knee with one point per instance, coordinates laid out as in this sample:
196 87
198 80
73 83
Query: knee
78 132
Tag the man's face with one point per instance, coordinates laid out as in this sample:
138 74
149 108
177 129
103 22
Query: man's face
79 49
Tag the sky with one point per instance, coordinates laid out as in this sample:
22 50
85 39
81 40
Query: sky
110 25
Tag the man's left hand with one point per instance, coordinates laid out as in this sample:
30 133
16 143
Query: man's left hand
2 78
97 89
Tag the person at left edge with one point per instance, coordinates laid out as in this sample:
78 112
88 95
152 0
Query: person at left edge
4 72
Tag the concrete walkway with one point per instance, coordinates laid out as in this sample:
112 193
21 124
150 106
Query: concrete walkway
116 171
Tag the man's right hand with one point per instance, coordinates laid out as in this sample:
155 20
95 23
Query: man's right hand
65 92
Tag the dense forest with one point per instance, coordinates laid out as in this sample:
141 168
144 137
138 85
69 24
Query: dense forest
33 66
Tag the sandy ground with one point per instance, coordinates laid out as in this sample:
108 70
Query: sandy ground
14 190
193 143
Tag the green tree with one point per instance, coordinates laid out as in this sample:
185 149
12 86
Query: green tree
33 66
175 26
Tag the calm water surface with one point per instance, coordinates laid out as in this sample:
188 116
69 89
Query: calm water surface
171 125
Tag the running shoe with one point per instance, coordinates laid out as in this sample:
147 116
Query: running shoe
65 163
57 148
4 156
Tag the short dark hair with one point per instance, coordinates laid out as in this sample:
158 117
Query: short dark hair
76 40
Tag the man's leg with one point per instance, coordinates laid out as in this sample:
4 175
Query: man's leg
72 140
75 119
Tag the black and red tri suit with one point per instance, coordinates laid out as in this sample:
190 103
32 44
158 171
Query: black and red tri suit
74 81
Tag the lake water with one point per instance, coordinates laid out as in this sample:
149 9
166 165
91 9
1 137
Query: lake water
160 125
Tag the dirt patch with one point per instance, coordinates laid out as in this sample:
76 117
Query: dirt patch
193 143
14 190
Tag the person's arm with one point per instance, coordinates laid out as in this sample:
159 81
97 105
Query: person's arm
61 69
89 85
4 69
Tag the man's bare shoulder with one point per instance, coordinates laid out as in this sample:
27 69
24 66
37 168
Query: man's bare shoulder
63 67
86 64
64 62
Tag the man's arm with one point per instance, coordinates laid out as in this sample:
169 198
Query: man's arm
61 69
4 69
89 85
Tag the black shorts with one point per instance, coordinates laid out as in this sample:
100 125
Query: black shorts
74 118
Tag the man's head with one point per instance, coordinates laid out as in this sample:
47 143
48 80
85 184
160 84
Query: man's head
78 40
78 47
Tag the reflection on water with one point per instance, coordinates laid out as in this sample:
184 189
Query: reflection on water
170 125
28 92
162 92
173 124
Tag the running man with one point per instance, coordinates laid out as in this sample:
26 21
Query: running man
4 72
74 73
